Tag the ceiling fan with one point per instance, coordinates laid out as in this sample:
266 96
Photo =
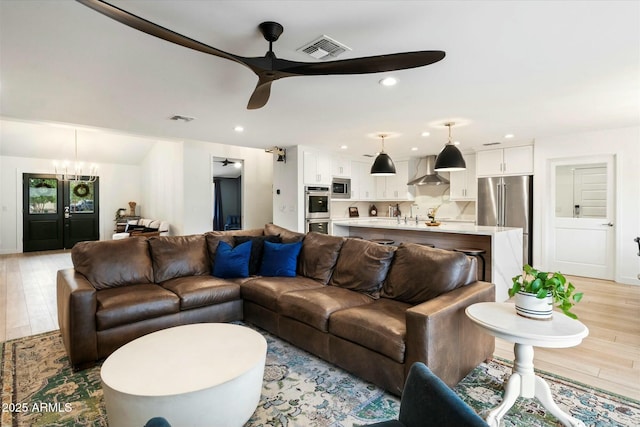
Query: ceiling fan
269 67
227 162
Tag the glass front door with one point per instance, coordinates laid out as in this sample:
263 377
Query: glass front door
58 214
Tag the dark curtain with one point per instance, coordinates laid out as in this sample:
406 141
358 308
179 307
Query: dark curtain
218 218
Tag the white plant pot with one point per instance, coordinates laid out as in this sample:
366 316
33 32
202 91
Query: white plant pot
528 305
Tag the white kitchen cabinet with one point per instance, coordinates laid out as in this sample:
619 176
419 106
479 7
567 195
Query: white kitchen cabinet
395 187
316 168
505 161
341 167
464 184
363 185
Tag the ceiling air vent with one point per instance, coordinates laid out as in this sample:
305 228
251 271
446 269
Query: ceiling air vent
324 47
489 144
185 119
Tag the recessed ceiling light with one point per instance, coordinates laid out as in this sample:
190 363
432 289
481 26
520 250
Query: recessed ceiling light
414 148
456 142
238 129
237 165
425 134
509 135
344 147
388 81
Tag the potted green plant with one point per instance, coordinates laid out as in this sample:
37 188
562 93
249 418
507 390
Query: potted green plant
537 291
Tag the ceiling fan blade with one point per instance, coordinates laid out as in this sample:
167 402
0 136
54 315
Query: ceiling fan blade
260 94
365 65
156 30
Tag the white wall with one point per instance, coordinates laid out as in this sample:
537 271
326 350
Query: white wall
119 184
197 198
624 144
288 206
163 185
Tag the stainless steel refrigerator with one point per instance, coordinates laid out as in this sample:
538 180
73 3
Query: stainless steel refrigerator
508 202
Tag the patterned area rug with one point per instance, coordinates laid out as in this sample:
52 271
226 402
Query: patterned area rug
40 389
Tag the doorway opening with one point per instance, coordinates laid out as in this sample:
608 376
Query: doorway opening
58 214
227 194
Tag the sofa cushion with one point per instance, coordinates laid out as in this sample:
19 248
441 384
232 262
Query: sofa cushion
232 261
379 326
249 232
362 266
318 256
266 291
179 256
130 304
200 291
113 263
280 259
315 306
257 249
213 240
419 273
287 236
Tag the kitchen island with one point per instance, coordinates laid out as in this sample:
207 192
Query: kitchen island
503 245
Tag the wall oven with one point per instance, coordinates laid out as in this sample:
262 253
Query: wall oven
317 225
316 203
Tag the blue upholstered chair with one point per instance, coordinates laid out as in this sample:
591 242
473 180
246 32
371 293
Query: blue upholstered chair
233 223
427 401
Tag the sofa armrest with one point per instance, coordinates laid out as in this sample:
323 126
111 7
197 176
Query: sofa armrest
77 305
440 335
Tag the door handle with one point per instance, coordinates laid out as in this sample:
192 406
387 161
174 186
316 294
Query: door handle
610 224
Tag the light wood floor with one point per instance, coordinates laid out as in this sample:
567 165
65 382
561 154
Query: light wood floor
609 358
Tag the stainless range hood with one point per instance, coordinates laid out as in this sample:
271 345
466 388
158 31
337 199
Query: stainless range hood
431 177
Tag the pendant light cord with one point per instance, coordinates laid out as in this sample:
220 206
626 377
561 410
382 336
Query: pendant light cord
449 126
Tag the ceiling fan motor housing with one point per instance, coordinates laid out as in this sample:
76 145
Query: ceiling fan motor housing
270 30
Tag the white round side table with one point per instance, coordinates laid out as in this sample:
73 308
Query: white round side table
199 375
501 320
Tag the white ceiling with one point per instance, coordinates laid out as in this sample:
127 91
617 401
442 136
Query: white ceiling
531 68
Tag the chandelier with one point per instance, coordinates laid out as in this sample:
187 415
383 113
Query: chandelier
77 172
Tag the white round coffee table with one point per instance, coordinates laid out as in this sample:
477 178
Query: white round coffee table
501 320
205 374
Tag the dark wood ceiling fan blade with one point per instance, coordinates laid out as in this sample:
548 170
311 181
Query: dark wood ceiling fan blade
156 30
365 65
260 94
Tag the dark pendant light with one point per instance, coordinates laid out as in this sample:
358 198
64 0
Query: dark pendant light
383 165
450 158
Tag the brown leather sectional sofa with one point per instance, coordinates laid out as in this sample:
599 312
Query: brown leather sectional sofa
370 309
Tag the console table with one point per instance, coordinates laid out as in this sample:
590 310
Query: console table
501 320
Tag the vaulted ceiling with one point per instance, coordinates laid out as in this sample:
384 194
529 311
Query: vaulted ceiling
528 68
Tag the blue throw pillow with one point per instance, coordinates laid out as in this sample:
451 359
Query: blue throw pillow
231 261
280 259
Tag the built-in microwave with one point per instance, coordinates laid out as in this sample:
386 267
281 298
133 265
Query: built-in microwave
341 188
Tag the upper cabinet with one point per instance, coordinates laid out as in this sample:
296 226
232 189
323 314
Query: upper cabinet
505 161
341 167
464 184
363 185
316 168
395 187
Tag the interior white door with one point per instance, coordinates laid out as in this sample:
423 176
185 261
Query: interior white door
582 241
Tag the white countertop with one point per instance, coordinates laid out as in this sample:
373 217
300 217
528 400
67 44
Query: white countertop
444 227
